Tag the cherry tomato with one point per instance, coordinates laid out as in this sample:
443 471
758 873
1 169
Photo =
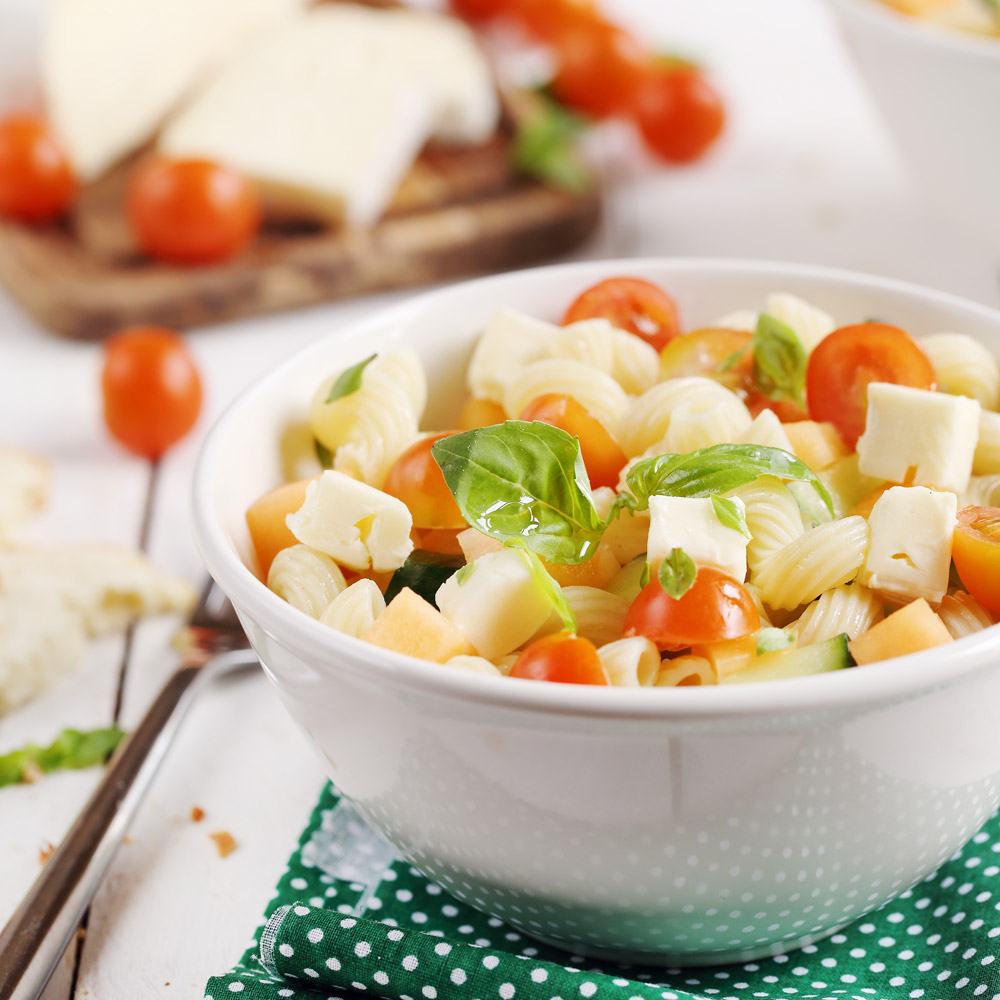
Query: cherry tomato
715 607
417 480
601 455
679 113
705 351
564 658
479 412
191 211
975 548
786 410
152 391
844 362
599 68
551 20
631 304
479 10
36 180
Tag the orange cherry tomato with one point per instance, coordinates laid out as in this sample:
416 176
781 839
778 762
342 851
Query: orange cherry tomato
191 211
417 480
715 607
36 180
564 658
599 68
550 20
679 113
631 304
705 351
601 455
975 548
152 390
843 364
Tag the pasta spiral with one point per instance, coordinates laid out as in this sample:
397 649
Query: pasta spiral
773 519
601 396
964 367
982 491
962 614
633 662
307 579
686 671
599 614
355 609
851 608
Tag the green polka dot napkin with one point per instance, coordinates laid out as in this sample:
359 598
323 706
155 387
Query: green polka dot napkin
351 920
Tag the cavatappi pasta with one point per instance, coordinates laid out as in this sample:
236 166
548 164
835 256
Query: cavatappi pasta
500 547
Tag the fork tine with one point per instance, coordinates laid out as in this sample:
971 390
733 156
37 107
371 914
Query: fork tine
214 610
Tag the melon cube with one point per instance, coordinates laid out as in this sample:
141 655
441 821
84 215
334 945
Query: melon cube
817 444
412 625
908 630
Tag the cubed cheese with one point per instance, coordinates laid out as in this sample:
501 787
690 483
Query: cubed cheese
919 436
353 523
691 524
510 341
909 551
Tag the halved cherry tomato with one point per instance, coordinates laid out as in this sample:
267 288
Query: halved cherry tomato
705 351
36 180
975 548
152 390
564 658
479 412
786 410
631 304
679 113
601 455
715 607
191 211
417 480
843 364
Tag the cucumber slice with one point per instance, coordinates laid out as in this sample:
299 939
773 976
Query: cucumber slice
816 658
423 572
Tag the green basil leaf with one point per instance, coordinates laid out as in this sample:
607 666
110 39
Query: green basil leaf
552 590
463 574
644 575
523 483
779 360
718 469
770 640
323 454
71 749
348 381
676 573
423 573
731 514
545 145
731 361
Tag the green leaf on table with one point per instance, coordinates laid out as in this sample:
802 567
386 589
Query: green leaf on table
769 640
552 590
545 145
779 361
676 573
348 381
72 749
523 483
731 514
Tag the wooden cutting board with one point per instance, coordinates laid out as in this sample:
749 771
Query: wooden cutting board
459 212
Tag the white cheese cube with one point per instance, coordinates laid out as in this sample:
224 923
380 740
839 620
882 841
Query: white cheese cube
355 524
510 341
691 524
919 436
499 605
909 549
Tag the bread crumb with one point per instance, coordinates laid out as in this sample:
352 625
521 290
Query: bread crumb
224 842
197 814
45 852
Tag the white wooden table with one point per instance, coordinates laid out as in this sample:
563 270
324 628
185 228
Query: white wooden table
804 173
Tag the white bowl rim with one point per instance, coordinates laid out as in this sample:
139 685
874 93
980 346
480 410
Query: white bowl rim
882 17
891 680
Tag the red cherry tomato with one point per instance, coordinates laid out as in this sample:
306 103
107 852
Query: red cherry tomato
601 455
679 113
152 391
715 607
551 20
599 68
564 658
191 211
843 364
631 304
36 180
705 351
417 480
479 10
975 548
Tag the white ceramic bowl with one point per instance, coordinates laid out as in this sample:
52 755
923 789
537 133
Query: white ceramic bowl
938 91
675 826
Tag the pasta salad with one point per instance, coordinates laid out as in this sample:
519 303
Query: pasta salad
623 503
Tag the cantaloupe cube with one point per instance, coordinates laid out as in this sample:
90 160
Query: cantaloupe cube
266 521
478 412
908 630
598 571
819 445
412 625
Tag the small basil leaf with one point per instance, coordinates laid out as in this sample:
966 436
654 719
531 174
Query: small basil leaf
71 749
779 360
323 454
348 381
676 573
644 575
770 640
731 361
552 590
731 514
523 483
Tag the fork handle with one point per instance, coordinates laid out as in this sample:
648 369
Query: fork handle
37 935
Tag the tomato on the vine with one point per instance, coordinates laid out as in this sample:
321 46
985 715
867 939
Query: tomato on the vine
191 211
417 480
679 113
975 549
715 607
843 364
564 658
36 180
631 304
151 387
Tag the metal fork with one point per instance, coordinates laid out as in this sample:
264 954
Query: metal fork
42 927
